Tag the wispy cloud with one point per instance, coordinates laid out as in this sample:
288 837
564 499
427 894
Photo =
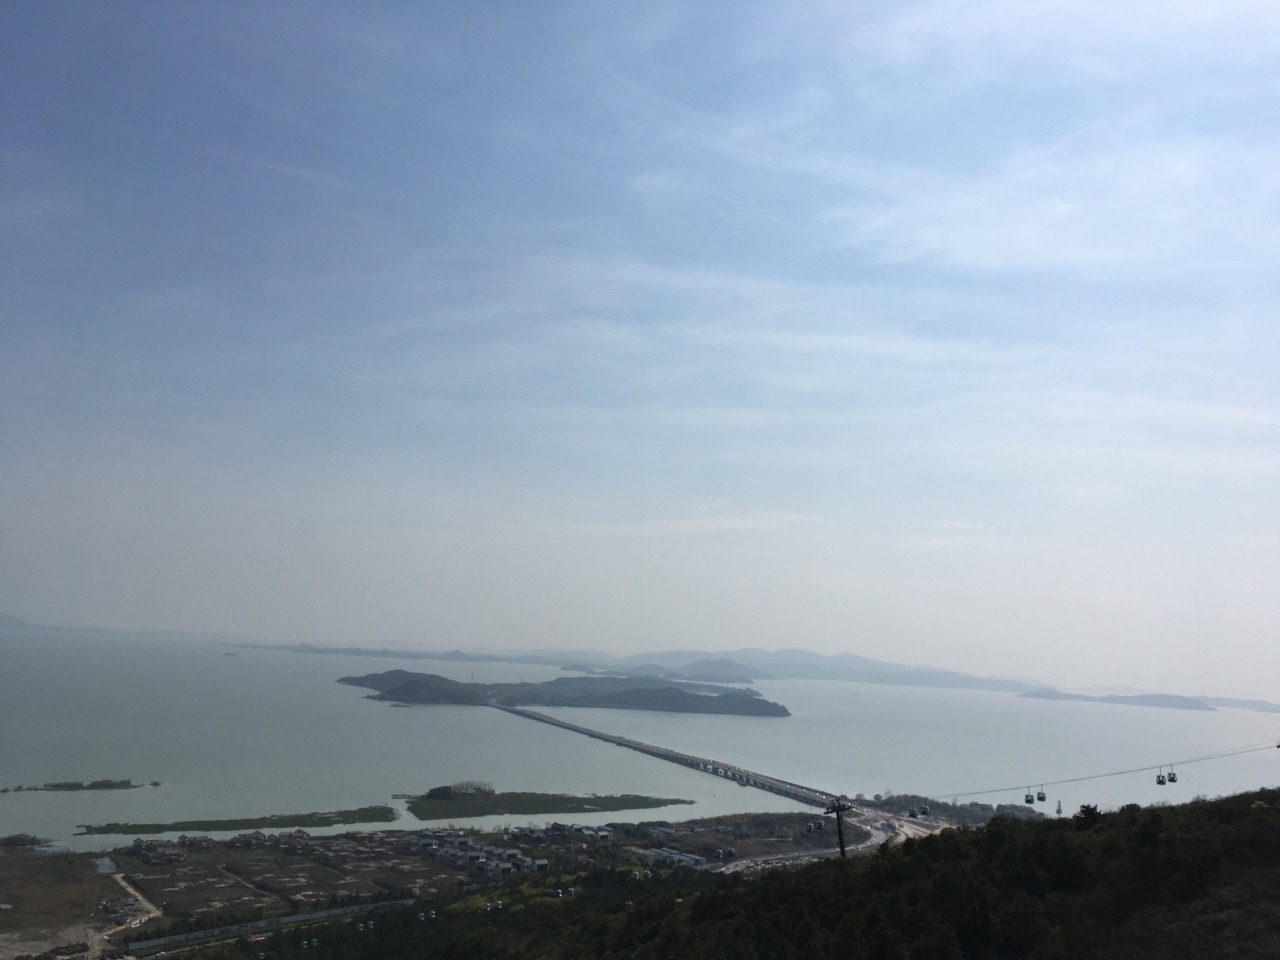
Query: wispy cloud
1215 29
709 525
588 295
1157 207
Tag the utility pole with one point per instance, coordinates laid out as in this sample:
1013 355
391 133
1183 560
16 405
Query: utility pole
838 806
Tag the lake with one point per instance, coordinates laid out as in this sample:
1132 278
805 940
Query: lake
269 731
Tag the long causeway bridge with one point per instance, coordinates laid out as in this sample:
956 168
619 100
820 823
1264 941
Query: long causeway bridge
717 768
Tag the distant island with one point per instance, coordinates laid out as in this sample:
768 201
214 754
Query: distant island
720 670
1262 706
464 800
453 656
1167 700
737 666
618 693
22 841
70 785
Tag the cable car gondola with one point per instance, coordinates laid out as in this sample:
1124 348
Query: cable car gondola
1030 797
1040 794
1172 777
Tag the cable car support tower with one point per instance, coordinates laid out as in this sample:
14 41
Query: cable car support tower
838 806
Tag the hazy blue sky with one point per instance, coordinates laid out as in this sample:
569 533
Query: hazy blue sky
937 332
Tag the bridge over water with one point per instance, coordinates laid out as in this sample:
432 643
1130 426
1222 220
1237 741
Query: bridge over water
717 768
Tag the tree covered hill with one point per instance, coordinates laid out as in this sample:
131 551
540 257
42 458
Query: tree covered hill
1199 880
626 693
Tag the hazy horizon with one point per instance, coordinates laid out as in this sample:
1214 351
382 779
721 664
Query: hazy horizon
939 334
412 652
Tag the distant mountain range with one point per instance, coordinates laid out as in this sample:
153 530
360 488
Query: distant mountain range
804 665
1166 700
742 667
737 666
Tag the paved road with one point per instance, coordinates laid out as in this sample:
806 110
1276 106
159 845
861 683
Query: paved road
902 827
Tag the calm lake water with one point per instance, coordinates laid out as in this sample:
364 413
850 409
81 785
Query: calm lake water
266 731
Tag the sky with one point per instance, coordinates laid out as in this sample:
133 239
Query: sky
936 332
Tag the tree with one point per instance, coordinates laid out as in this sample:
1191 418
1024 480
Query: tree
1087 817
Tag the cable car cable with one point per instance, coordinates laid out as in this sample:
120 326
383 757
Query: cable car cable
1239 751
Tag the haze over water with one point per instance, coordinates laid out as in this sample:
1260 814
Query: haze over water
267 731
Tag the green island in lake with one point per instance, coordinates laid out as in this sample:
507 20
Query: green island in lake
480 800
21 841
70 785
618 693
277 821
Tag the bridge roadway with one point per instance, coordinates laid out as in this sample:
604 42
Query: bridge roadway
717 768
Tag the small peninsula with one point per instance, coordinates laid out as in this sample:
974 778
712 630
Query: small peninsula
277 821
618 693
1167 700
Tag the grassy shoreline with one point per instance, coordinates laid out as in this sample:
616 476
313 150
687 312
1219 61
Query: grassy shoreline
67 786
22 841
527 804
276 821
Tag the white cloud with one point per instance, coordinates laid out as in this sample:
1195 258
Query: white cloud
1156 206
1062 29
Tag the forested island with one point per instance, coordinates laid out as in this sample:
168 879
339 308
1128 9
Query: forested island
22 841
621 693
465 800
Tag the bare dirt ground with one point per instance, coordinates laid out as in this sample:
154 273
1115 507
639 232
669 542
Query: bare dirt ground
50 901
34 942
64 889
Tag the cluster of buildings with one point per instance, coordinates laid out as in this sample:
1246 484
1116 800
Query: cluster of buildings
159 851
561 833
401 851
376 854
122 909
171 851
671 857
667 857
291 841
460 852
